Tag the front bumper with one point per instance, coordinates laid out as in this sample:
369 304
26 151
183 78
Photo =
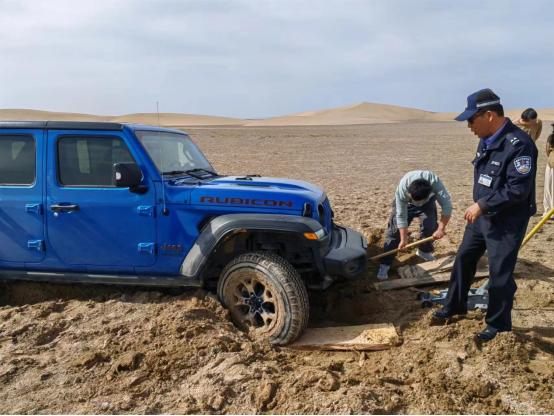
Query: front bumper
347 256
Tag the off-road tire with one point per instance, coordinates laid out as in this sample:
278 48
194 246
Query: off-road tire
266 296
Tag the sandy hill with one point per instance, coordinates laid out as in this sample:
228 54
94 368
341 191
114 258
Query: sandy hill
361 113
39 115
165 119
514 114
177 119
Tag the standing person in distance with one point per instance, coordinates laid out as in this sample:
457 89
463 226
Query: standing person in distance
530 123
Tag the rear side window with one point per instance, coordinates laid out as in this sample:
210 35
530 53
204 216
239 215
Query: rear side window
17 160
89 161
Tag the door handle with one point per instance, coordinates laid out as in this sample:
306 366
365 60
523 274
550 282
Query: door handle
64 207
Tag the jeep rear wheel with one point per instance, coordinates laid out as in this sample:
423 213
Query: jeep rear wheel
265 295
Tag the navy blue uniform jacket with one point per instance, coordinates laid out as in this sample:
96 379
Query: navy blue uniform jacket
504 174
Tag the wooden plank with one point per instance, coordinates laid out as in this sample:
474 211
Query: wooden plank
436 267
412 282
444 264
370 337
420 281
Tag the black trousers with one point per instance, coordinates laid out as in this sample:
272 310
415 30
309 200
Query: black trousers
501 238
427 215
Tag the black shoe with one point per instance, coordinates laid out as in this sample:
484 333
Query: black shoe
444 313
487 334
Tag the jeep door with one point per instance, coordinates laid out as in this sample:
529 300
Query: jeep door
92 224
21 193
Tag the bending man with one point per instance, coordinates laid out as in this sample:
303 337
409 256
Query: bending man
415 196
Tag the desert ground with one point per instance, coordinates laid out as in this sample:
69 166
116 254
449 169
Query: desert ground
86 349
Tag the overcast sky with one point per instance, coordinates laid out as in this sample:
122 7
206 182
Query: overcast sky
257 58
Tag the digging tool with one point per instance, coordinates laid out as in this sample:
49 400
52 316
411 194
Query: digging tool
396 250
537 227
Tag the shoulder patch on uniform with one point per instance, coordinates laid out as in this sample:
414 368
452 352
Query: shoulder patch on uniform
523 164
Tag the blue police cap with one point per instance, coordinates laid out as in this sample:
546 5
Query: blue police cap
478 101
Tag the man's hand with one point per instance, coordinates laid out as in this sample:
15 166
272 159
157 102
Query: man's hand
472 213
403 243
441 229
403 238
440 233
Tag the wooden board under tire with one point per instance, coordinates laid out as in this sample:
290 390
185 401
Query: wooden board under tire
369 337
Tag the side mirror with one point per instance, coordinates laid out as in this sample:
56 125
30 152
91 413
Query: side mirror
128 175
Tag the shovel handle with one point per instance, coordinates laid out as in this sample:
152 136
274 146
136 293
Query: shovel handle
411 245
538 226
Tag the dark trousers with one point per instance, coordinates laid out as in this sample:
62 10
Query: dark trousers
427 215
501 238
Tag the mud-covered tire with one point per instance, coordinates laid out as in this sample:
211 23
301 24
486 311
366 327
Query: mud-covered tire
265 295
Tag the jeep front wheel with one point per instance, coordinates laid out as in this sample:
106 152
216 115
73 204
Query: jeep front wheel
265 294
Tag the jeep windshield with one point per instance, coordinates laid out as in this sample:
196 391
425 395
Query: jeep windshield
175 154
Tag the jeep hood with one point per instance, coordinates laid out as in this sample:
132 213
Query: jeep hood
259 193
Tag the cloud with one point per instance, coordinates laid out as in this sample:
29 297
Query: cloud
261 58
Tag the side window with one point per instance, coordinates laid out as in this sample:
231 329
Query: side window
17 160
89 161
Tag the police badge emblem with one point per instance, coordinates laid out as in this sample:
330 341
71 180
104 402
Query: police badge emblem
523 164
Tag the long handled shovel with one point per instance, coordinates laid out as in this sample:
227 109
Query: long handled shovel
537 227
396 250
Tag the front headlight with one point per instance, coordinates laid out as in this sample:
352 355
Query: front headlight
318 235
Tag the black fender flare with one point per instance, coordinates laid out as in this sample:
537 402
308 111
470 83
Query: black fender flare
221 226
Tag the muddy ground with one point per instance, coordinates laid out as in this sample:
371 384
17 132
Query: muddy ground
86 349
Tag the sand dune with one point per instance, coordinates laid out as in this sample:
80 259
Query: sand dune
514 114
39 115
165 119
361 113
177 119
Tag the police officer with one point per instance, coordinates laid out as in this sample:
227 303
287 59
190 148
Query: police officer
505 167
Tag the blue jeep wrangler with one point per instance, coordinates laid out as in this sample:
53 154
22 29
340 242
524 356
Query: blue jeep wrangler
141 205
